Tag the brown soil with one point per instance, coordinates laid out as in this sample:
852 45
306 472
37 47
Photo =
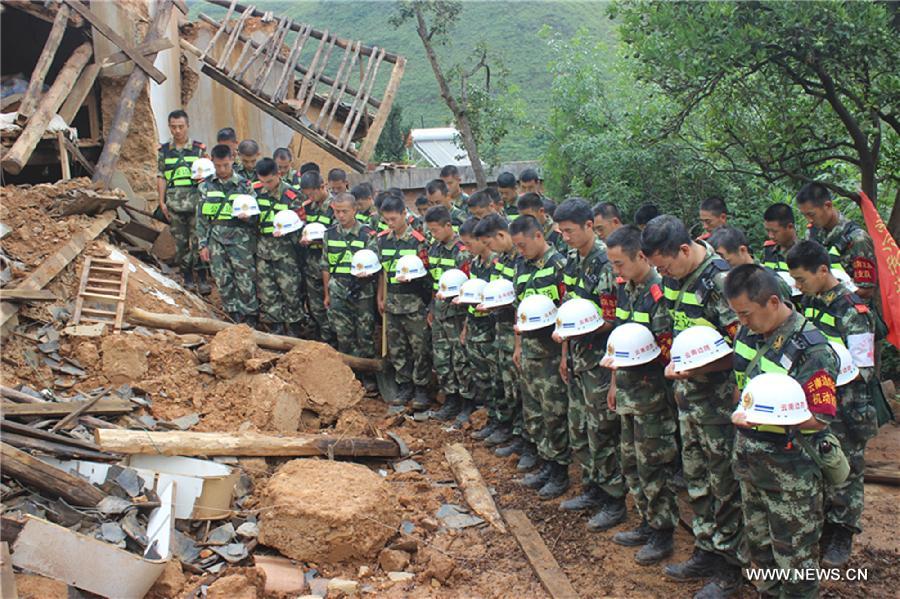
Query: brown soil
33 586
230 348
124 358
169 583
244 583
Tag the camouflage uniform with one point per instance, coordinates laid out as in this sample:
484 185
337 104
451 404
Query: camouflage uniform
372 219
649 449
544 402
844 318
312 270
509 404
593 427
409 338
231 243
448 354
352 309
554 237
277 267
248 174
461 204
292 178
704 406
851 250
182 197
781 485
481 347
457 217
511 212
773 257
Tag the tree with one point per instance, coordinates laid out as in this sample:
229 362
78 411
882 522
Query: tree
482 116
782 91
391 146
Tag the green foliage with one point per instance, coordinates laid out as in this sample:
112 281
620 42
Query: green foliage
391 146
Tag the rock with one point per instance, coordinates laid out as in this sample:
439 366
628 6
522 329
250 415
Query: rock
401 576
392 560
230 348
248 530
244 583
353 423
124 358
342 585
169 583
363 571
282 575
265 400
324 511
318 587
440 566
88 354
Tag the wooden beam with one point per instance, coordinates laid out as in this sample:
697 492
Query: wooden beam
55 264
79 157
65 167
367 148
51 409
17 156
54 448
185 443
30 101
123 45
27 295
50 479
545 565
79 93
18 396
147 48
469 478
38 10
8 426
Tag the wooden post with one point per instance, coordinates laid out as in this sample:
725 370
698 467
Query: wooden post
47 478
137 83
79 93
17 156
30 100
469 478
63 155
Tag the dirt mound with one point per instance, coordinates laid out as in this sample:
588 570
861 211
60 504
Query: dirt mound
244 583
124 358
353 423
229 350
262 402
327 512
329 384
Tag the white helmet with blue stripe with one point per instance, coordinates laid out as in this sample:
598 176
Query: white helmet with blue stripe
631 344
698 346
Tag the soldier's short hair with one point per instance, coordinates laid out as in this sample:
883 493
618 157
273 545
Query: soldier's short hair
311 180
226 134
468 227
815 193
506 180
664 235
628 238
715 205
752 279
362 190
396 192
381 196
779 213
221 151
178 114
421 202
607 210
337 174
307 167
266 167
436 185
248 147
439 215
449 170
729 238
574 210
479 199
530 201
282 154
345 197
525 225
392 204
490 225
492 194
808 255
645 214
528 175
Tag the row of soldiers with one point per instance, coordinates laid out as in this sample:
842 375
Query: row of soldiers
757 496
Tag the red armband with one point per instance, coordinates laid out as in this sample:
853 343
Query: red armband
863 270
821 393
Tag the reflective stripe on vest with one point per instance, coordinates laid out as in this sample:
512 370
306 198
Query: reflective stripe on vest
835 257
267 211
825 322
220 206
776 266
390 265
437 266
551 291
178 170
632 316
340 254
501 271
318 218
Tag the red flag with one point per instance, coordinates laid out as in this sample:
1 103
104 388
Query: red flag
887 254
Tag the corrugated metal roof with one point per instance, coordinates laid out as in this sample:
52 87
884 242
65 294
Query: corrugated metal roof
439 146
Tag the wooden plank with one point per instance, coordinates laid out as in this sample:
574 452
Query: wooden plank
232 39
282 86
332 89
188 443
323 64
18 396
82 283
60 450
215 37
79 93
73 416
56 408
341 91
120 306
8 426
362 107
266 69
66 169
545 565
374 59
79 157
97 23
27 295
882 475
40 11
30 100
469 478
147 48
8 577
50 479
311 70
367 148
55 264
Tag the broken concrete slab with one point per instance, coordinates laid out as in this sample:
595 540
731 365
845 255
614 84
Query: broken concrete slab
457 517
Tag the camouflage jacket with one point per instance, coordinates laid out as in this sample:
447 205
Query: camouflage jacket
340 245
270 247
590 277
441 258
480 326
214 220
174 165
851 249
412 296
543 275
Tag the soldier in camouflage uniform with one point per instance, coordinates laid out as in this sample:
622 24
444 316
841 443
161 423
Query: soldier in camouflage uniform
178 197
337 181
284 158
781 485
593 427
693 280
318 210
350 300
480 204
713 215
733 246
248 156
366 213
458 198
277 267
438 195
406 303
782 236
228 243
640 395
506 187
532 204
846 320
447 319
545 405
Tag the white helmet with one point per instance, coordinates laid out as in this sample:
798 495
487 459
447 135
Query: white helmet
450 283
202 168
577 316
847 369
286 221
500 292
244 205
698 346
536 312
314 232
790 281
774 398
631 344
472 291
364 262
843 277
410 267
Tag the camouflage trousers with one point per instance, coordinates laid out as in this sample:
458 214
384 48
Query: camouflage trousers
648 454
782 511
234 269
278 281
315 298
182 226
712 489
483 373
352 318
545 408
854 425
449 355
594 431
409 348
509 397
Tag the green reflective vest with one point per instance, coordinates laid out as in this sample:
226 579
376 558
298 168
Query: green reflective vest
340 249
441 259
216 206
773 258
269 207
542 276
393 248
177 163
686 304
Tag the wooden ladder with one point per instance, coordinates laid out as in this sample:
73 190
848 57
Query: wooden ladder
103 284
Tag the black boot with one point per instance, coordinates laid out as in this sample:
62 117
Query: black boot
369 384
499 436
558 482
278 328
251 320
612 513
539 478
189 280
634 537
404 394
467 406
528 459
420 401
487 431
451 407
517 446
726 582
236 317
591 497
840 545
702 564
293 329
203 283
658 547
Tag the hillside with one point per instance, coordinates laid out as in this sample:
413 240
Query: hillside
510 28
